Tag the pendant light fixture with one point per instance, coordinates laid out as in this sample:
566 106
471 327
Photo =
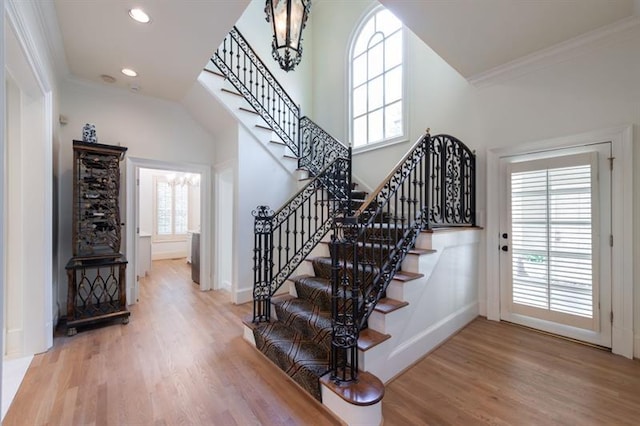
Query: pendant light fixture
288 18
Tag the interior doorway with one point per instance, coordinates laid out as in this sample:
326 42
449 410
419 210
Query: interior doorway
157 193
168 222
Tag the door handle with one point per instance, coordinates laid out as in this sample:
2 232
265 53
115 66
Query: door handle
504 248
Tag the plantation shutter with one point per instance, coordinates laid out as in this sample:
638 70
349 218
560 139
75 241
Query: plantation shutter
163 208
552 207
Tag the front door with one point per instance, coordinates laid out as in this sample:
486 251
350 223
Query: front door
555 242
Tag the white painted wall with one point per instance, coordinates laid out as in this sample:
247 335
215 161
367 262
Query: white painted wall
2 192
269 184
145 212
594 88
151 128
437 96
29 186
225 227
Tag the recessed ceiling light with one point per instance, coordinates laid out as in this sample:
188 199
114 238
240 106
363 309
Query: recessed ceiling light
107 78
129 72
139 15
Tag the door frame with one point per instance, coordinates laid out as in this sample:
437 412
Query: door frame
621 139
132 213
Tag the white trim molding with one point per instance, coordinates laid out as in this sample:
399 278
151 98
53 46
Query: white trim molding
555 54
621 139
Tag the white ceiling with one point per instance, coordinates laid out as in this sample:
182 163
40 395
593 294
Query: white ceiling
475 36
99 37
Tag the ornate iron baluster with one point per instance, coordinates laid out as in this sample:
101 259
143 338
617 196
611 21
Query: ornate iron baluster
276 105
263 263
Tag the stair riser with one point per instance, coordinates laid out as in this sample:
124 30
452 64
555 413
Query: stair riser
282 350
376 254
315 329
320 297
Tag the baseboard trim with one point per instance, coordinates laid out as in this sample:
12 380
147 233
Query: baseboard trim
169 255
636 351
411 351
243 296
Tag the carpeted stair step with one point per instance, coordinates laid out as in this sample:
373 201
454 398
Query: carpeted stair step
316 290
387 233
302 359
307 319
368 253
322 269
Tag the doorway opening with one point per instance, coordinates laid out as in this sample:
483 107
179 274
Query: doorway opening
168 205
168 219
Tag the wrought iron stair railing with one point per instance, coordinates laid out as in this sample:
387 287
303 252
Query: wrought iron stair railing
285 238
248 74
433 186
314 147
317 147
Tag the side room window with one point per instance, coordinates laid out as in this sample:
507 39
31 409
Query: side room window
377 110
172 209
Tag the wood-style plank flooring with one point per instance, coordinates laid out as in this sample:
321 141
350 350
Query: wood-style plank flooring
182 361
500 374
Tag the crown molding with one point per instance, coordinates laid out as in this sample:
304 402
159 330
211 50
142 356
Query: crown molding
23 17
555 54
48 20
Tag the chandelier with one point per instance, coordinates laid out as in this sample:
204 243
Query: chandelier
288 18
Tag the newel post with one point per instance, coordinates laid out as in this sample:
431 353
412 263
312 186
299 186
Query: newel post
262 263
345 304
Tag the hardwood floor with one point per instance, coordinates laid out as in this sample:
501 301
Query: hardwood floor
502 374
182 360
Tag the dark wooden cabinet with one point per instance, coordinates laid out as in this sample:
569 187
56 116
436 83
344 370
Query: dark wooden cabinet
195 257
96 272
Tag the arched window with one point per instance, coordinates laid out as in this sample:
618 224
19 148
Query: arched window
376 80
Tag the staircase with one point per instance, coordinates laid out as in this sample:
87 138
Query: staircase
354 313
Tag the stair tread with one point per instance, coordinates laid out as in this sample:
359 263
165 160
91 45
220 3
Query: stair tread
368 390
264 127
387 305
370 338
232 92
451 229
421 251
219 74
405 276
249 110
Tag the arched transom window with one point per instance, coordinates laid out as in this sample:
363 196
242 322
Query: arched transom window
376 97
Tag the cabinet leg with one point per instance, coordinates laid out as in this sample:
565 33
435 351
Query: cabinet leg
125 320
72 331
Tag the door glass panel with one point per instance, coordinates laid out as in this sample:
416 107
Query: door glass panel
551 218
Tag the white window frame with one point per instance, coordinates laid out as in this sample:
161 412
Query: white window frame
173 236
405 113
